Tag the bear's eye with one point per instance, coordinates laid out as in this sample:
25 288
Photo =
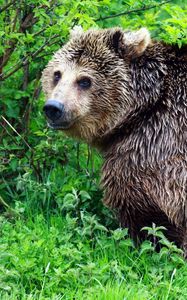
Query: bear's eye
57 76
84 83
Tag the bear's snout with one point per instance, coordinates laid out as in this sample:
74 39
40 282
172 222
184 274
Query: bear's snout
53 110
58 117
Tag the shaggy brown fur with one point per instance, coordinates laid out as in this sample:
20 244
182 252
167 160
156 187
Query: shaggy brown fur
135 112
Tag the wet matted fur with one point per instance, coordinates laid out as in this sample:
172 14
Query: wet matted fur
135 113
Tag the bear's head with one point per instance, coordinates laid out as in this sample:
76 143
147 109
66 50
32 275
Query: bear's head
88 84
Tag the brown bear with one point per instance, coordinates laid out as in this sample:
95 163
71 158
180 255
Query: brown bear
127 95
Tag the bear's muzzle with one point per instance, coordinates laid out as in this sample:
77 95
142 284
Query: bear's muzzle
57 117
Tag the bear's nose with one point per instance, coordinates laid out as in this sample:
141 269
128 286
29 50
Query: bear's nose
54 110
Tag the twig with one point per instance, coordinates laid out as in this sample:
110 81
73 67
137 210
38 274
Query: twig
7 122
7 6
40 31
132 11
4 203
45 44
88 157
45 54
15 20
10 209
32 152
26 60
78 156
28 21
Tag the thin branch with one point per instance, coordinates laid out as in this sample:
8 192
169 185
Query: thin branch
15 20
45 44
132 11
10 209
2 201
7 6
40 31
7 122
45 54
32 151
28 22
4 59
26 60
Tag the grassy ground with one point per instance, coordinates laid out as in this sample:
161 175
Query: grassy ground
78 258
60 242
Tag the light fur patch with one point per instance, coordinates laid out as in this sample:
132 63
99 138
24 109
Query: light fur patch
139 40
76 31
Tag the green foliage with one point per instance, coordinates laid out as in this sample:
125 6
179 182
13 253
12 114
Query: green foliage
72 258
58 241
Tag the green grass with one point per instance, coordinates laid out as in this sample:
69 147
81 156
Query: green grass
57 240
65 257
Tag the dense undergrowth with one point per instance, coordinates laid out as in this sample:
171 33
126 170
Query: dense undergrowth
57 240
79 258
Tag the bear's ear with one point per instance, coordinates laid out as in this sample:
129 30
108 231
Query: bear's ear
131 44
76 31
